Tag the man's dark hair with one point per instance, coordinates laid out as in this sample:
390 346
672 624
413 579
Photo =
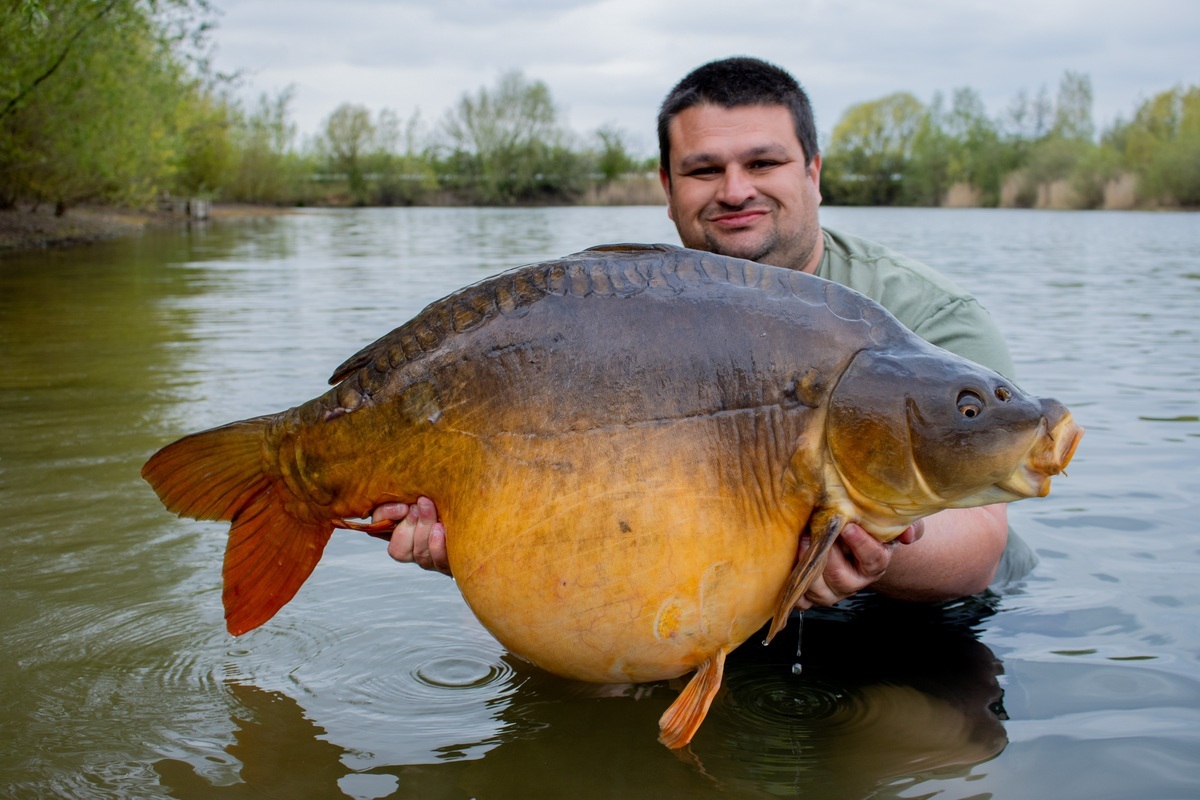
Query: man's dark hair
738 81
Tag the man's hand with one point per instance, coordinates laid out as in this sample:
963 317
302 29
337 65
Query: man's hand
418 538
856 560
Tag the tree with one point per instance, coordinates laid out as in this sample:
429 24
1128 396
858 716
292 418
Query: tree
871 147
1073 108
267 169
93 97
207 157
976 156
349 137
405 175
506 144
613 159
1028 120
1162 145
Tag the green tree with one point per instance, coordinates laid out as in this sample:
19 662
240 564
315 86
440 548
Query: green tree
208 157
975 154
1161 144
870 149
505 144
95 97
928 175
348 139
267 170
1027 119
613 159
405 175
1073 108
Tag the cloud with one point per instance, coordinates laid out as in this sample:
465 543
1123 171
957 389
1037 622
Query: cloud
611 61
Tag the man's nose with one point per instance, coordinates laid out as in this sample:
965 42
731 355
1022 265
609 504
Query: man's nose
736 187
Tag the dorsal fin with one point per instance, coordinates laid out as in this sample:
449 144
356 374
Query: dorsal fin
611 269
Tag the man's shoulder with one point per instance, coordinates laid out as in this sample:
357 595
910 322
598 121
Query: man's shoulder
925 301
854 261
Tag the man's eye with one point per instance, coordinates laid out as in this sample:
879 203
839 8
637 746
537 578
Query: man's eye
764 164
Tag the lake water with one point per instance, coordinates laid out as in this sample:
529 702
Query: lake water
1080 681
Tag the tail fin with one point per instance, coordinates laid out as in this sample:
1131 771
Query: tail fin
218 475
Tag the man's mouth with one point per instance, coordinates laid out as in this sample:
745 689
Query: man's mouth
738 219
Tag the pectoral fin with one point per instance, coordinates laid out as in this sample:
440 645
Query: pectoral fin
823 529
680 722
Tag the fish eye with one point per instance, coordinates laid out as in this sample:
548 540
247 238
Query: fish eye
1003 394
970 405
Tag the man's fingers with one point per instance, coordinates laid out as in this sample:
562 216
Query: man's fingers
389 511
438 557
912 533
400 546
418 538
870 555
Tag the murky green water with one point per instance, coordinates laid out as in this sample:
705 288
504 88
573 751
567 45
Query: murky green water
118 679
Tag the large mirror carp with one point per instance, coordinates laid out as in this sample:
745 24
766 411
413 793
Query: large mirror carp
626 446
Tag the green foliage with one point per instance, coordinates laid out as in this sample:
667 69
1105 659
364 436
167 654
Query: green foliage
505 145
208 158
613 158
871 148
111 100
1162 146
1073 109
959 146
348 138
94 99
378 158
404 176
894 150
267 170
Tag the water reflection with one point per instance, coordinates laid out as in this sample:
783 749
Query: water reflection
888 692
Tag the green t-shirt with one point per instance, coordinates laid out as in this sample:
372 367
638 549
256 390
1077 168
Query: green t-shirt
926 302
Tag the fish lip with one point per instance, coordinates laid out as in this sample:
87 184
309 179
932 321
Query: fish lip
1067 445
1049 453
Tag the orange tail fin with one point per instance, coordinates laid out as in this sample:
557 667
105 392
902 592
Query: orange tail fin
680 722
218 474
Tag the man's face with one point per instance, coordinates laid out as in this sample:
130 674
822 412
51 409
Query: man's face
738 185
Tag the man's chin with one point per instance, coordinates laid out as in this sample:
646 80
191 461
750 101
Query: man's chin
749 250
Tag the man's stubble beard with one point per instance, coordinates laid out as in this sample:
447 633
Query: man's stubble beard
762 251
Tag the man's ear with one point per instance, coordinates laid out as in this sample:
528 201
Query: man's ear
814 172
664 178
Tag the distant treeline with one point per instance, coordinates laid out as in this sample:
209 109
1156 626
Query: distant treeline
114 101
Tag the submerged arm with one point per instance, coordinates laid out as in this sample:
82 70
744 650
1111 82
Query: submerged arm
957 556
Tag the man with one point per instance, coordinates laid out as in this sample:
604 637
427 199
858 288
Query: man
742 172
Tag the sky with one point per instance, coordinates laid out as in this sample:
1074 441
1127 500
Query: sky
610 62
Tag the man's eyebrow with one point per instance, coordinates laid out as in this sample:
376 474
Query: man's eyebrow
697 160
775 151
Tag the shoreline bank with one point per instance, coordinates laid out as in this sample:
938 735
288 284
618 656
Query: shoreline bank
26 229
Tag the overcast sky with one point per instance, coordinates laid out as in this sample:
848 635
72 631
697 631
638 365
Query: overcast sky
611 61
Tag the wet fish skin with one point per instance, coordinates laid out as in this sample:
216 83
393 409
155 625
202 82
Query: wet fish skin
675 420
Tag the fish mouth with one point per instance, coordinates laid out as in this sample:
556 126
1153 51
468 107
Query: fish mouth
1052 450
